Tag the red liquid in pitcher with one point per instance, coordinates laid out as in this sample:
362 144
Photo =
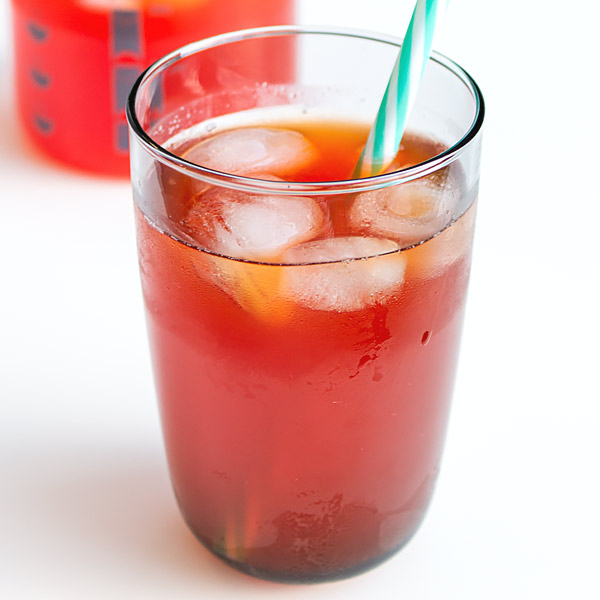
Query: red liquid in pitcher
76 61
303 416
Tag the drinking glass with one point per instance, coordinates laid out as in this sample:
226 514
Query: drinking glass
304 333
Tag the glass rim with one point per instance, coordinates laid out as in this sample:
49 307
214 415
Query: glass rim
312 188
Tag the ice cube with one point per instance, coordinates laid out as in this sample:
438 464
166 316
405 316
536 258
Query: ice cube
251 150
252 226
434 256
408 213
351 283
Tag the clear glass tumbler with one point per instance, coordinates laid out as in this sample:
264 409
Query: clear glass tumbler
304 325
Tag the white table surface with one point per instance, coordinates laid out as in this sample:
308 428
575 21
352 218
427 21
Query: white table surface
86 509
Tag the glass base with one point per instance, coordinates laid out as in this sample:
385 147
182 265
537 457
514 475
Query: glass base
308 577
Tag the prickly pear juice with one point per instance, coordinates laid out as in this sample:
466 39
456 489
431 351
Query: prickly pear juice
304 441
76 61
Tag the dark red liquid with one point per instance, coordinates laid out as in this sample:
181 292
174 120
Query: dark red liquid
303 444
75 64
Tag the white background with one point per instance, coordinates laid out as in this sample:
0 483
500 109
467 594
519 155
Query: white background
86 509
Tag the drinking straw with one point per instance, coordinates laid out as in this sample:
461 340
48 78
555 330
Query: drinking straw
385 136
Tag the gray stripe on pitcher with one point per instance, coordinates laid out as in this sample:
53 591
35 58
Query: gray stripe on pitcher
39 78
126 32
38 33
122 138
45 126
124 79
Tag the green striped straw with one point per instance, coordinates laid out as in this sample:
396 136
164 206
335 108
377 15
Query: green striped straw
386 134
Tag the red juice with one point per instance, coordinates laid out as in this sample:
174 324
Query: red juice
76 61
304 425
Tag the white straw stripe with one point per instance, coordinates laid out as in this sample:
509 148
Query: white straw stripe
386 134
390 142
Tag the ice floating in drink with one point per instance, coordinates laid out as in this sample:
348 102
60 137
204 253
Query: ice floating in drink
351 282
256 227
254 150
407 213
